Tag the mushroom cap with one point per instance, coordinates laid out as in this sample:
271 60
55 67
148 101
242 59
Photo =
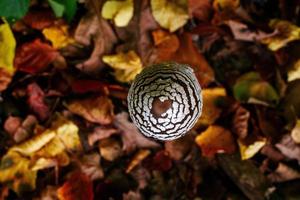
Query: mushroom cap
165 100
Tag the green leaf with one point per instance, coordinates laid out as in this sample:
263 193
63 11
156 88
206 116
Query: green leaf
66 8
13 9
251 85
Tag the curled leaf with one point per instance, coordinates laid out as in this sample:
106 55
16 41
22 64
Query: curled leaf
126 65
171 15
120 11
137 159
249 150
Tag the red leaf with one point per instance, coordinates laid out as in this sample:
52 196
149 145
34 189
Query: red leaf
84 86
161 162
36 101
77 187
39 19
34 57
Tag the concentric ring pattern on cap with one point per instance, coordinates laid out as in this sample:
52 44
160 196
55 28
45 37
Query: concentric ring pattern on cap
166 81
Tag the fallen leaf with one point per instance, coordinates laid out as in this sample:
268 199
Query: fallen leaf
289 148
137 159
287 32
178 149
283 173
252 86
126 65
15 172
130 134
85 86
210 111
171 15
295 134
49 193
90 165
78 186
34 57
120 11
94 109
294 72
201 10
160 161
7 50
39 19
131 195
94 31
110 149
249 150
59 35
240 122
36 101
215 139
100 133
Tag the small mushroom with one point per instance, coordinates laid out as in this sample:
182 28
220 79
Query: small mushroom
165 101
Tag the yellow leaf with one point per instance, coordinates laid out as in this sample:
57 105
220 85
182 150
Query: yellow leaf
137 159
120 11
170 14
215 139
226 5
248 151
7 48
126 65
294 73
58 35
287 32
210 110
296 132
14 169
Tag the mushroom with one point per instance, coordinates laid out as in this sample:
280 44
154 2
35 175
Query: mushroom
165 101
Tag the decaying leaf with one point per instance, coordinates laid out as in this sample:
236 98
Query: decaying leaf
7 52
110 149
120 11
240 122
90 165
94 109
137 159
58 35
249 150
130 134
200 9
78 186
211 111
216 139
252 86
171 15
126 65
287 32
100 133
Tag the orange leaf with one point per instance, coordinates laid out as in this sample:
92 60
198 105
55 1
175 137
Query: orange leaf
216 139
34 56
96 109
137 159
78 186
200 9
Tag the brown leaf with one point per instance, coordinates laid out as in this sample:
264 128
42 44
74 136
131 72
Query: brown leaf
240 122
283 173
90 166
5 79
36 101
130 134
49 193
216 139
100 133
39 19
34 56
94 109
200 9
137 159
97 31
289 148
78 186
110 149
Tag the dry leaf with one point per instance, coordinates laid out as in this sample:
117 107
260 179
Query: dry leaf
34 56
294 73
240 122
39 19
200 9
49 193
110 149
137 159
215 139
289 148
287 32
179 148
126 65
283 173
249 150
130 134
210 110
95 109
120 11
171 15
78 186
7 52
296 132
90 165
100 133
58 35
